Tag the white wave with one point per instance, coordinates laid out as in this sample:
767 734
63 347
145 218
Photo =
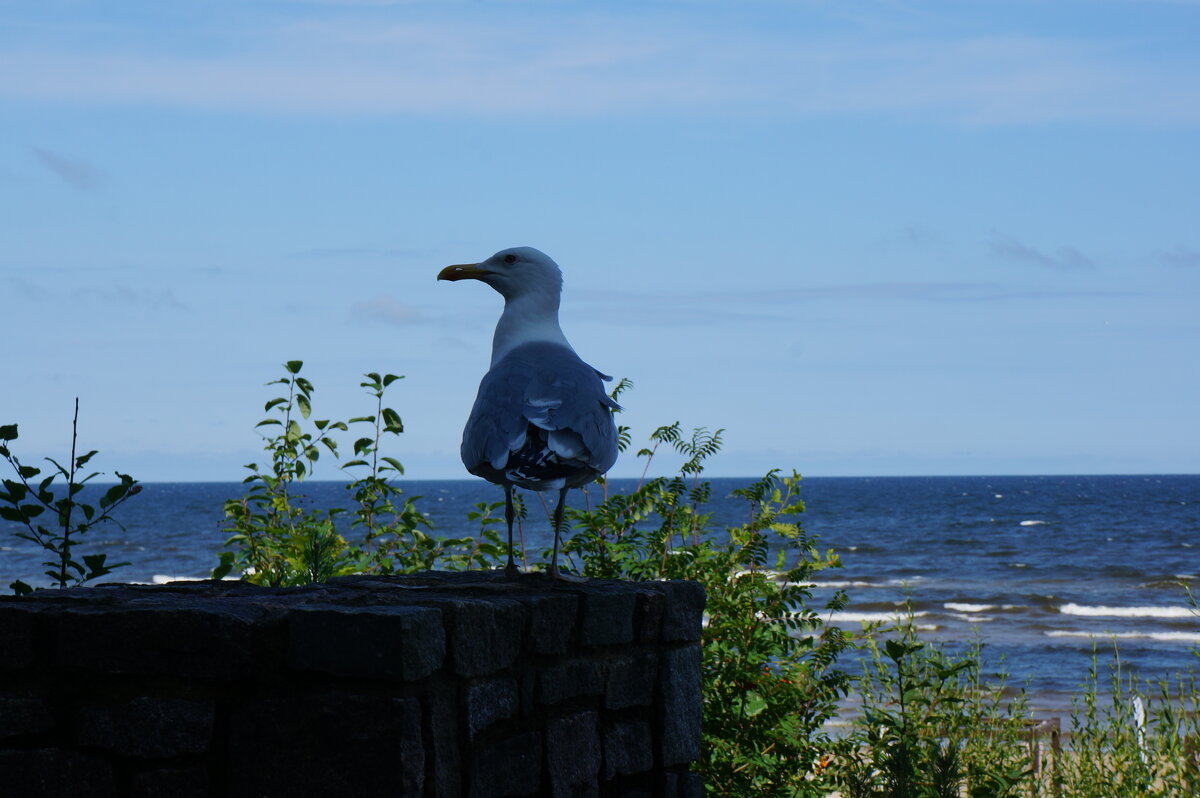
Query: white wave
999 495
957 607
1127 612
869 617
1018 565
908 581
842 584
1165 637
927 627
972 618
1033 523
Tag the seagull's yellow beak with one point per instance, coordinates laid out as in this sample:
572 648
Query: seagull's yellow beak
463 271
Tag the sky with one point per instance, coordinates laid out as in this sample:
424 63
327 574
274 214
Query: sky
863 238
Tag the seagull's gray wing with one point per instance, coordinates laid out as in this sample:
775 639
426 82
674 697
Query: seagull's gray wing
541 414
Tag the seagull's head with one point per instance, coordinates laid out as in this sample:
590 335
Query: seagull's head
512 272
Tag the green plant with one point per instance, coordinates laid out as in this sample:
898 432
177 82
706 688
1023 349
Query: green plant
768 662
929 725
71 517
275 541
1141 739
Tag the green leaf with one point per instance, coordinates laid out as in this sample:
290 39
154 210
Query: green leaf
268 422
394 463
294 366
363 445
12 514
391 420
388 379
224 566
304 405
293 431
28 472
278 400
82 460
8 432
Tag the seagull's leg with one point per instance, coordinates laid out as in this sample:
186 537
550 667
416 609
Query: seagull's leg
558 515
510 570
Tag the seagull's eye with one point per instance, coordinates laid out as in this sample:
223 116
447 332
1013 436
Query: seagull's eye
510 258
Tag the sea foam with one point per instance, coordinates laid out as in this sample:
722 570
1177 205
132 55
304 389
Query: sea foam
1127 612
1163 637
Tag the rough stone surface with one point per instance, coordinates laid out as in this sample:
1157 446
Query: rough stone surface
326 744
684 608
628 749
146 727
552 622
485 636
488 701
607 617
573 755
16 636
435 685
679 687
509 767
173 782
204 640
21 716
385 642
441 721
630 680
54 773
564 680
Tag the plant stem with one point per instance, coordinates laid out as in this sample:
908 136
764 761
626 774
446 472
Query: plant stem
64 552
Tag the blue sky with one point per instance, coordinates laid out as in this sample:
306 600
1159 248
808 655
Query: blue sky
865 238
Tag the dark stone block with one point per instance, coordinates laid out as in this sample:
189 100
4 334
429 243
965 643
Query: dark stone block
607 616
19 716
485 636
16 635
508 767
53 773
552 621
199 639
628 749
386 642
573 756
489 701
327 744
679 692
170 783
691 785
651 605
569 679
442 722
630 681
146 727
685 610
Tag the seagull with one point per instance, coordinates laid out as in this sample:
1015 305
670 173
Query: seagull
542 419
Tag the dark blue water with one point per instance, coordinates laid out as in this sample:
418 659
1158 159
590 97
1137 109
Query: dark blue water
1039 567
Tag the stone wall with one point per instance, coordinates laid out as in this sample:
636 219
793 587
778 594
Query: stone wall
437 685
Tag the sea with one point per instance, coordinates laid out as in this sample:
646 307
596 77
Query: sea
1047 573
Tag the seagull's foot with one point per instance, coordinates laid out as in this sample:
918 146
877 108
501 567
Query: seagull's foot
554 573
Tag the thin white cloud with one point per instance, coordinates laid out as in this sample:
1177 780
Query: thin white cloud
1007 247
386 309
574 62
709 307
74 172
1181 257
